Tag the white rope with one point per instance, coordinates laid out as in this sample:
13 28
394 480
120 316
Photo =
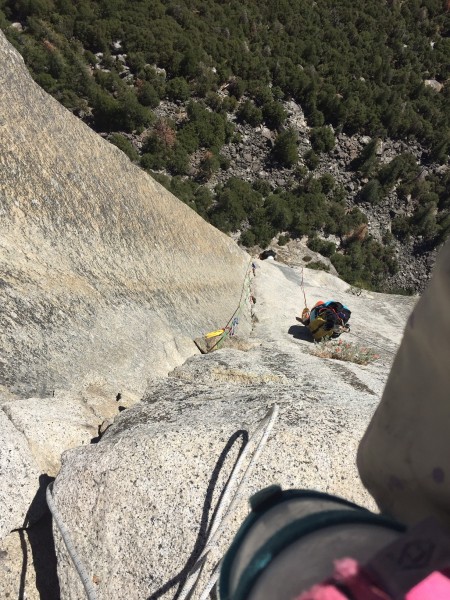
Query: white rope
221 517
91 592
211 582
264 427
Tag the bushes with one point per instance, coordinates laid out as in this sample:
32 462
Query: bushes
366 163
147 95
321 246
208 166
125 145
177 89
123 113
235 200
401 227
285 148
211 129
318 266
322 139
346 351
401 168
274 115
372 192
249 113
311 159
345 67
365 262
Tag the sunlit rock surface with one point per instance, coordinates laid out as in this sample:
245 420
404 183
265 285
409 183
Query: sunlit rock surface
102 271
138 503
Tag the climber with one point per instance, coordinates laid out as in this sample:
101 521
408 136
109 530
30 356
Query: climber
327 319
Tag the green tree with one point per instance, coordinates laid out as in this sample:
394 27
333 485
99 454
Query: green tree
372 192
178 89
249 113
274 115
208 166
311 159
125 145
322 139
366 163
285 148
147 95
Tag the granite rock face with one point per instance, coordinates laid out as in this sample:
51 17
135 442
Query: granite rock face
51 426
102 271
105 280
138 503
19 480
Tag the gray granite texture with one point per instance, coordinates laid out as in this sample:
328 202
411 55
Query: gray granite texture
139 502
105 280
102 271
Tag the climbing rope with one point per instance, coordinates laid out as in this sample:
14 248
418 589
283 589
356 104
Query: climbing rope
91 592
305 311
230 327
303 289
220 519
222 515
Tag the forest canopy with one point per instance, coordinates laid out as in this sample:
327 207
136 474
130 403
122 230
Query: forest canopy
370 68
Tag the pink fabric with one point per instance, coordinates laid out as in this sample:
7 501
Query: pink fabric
322 592
348 573
435 587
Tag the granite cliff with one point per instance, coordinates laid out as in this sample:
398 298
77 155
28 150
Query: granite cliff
105 279
102 270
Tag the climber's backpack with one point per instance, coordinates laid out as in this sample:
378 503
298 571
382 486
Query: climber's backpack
327 319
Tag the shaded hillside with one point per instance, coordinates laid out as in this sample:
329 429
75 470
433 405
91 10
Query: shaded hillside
103 272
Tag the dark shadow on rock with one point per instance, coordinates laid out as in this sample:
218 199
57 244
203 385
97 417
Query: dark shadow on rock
300 332
40 538
181 577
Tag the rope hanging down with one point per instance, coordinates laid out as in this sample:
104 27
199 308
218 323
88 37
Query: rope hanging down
263 429
305 311
91 592
234 319
220 519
